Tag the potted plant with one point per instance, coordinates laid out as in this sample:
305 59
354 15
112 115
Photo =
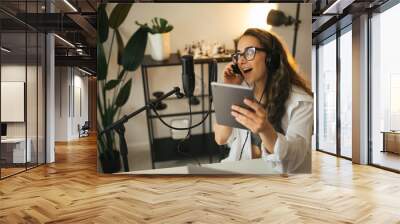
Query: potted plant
114 89
159 38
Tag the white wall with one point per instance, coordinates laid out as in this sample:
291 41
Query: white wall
80 83
33 127
220 22
61 105
67 115
16 73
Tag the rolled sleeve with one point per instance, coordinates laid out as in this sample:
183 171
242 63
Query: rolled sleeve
234 135
292 148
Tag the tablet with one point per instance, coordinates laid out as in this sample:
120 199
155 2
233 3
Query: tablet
226 95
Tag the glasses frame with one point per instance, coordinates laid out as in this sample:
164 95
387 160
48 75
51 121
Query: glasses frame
236 56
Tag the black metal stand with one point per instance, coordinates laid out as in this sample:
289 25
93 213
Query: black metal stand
158 145
296 29
120 128
123 147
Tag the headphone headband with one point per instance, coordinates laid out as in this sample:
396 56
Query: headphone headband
274 57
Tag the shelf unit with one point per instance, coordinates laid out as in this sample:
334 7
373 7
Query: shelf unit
158 145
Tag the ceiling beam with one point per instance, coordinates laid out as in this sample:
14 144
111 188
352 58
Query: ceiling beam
89 30
83 61
337 7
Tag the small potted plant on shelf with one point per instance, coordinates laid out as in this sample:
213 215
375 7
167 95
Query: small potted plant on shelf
159 38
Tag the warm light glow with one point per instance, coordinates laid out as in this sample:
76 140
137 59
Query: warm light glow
258 15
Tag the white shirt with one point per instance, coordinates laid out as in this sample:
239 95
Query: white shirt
292 150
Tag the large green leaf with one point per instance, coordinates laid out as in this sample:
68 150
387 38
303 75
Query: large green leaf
108 120
120 46
102 23
119 14
101 62
134 50
123 95
111 84
109 116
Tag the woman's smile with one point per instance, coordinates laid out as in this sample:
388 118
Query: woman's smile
247 71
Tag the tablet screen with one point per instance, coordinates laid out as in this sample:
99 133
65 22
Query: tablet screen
226 95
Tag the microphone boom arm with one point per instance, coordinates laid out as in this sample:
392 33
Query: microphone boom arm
125 118
119 127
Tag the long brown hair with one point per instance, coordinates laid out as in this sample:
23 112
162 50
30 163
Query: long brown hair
280 82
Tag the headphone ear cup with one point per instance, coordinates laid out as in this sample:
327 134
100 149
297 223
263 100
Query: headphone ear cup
268 62
274 58
273 61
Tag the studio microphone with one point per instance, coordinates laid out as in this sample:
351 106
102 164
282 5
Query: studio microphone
213 71
188 75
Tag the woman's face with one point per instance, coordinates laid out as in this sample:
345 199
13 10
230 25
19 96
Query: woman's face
255 70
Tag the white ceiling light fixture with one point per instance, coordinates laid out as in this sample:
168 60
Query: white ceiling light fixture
70 5
65 41
5 50
84 71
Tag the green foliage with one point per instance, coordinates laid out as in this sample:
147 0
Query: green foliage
102 23
159 25
118 15
102 65
134 50
114 92
112 84
123 95
120 47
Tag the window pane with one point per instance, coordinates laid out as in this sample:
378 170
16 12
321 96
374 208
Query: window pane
385 84
345 94
327 97
15 149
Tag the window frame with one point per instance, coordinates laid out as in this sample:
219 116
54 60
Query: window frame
333 37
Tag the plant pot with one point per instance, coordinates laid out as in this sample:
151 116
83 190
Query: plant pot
160 46
110 163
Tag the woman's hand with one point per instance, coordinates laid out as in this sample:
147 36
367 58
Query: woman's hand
254 119
230 77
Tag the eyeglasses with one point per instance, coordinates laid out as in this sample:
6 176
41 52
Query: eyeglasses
249 54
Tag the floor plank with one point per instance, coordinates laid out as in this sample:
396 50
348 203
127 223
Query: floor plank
71 191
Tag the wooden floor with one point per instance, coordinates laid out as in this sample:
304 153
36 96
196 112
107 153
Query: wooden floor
386 159
10 171
70 191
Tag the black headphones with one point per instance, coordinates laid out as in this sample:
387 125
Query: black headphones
273 59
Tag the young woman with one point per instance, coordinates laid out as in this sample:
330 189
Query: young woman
280 121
